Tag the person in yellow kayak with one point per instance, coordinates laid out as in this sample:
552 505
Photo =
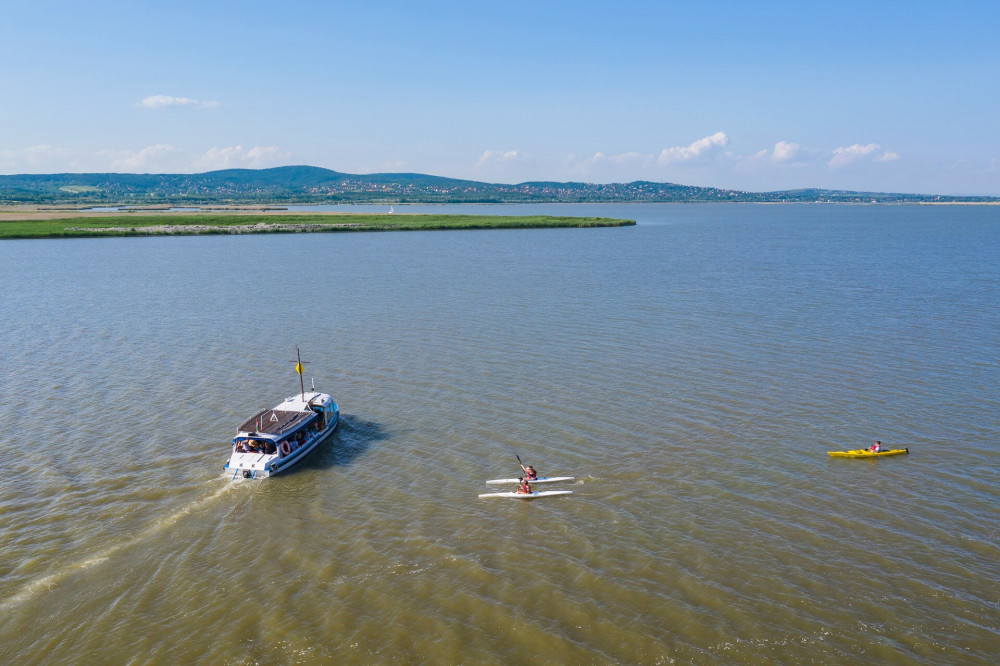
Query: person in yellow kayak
876 447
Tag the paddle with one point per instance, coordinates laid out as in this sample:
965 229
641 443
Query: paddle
521 464
522 470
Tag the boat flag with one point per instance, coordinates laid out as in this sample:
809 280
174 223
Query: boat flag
299 368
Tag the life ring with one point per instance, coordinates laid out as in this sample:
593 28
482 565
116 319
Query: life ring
285 448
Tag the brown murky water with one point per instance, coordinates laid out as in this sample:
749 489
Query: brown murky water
690 372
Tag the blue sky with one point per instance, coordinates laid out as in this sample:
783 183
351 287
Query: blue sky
888 96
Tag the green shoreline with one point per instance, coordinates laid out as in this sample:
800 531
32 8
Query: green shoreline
201 224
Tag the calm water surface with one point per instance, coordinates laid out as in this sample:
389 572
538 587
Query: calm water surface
691 372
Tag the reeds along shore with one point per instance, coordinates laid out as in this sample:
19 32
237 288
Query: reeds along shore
23 225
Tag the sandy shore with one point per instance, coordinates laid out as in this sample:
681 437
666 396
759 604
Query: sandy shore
192 229
13 213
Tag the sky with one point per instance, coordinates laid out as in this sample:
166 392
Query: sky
874 96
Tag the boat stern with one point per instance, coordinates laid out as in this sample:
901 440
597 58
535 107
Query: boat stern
250 465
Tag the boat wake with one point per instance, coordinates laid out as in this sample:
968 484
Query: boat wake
48 582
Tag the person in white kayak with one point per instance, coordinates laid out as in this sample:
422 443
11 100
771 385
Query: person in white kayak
524 487
529 472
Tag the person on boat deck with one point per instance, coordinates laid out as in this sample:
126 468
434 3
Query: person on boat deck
530 472
524 486
876 447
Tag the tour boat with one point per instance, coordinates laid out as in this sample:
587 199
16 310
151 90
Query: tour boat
273 440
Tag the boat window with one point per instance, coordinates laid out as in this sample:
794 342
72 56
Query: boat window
255 446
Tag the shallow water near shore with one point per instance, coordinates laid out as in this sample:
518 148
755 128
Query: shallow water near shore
691 372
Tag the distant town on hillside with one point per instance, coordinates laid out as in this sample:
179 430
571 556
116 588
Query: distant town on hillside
315 185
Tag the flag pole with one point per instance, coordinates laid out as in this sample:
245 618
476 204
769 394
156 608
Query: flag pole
298 369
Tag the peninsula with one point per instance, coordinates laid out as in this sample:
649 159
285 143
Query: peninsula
75 224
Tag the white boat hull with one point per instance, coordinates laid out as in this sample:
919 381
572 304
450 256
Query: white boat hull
533 495
541 479
261 466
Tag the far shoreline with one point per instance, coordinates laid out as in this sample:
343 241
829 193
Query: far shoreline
29 212
9 212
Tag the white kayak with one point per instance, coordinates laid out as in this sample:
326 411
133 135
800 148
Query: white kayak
541 479
537 493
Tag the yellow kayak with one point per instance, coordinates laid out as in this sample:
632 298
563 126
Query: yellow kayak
865 453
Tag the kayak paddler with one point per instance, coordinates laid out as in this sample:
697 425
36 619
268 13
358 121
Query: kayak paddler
529 472
523 486
876 447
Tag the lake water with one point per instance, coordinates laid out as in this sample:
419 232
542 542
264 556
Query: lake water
691 372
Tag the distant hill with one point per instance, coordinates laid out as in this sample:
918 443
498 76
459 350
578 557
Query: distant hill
314 185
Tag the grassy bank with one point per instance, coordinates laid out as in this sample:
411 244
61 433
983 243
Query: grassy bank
132 224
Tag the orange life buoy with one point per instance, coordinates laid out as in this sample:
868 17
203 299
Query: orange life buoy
285 448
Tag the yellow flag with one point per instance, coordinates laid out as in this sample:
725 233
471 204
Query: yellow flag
298 368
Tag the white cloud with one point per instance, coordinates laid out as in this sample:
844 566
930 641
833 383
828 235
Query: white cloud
494 156
846 154
259 154
164 158
784 151
887 156
696 149
627 159
392 166
630 160
33 158
634 165
236 157
160 101
38 153
587 164
150 158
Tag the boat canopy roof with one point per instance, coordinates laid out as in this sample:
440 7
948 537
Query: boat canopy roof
276 422
294 412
